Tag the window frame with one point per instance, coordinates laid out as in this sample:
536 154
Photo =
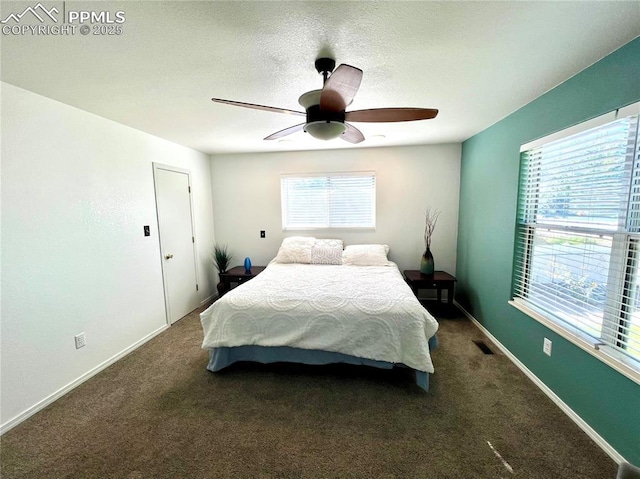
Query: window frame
328 225
629 367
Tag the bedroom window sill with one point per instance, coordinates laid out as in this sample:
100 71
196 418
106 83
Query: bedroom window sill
331 228
604 353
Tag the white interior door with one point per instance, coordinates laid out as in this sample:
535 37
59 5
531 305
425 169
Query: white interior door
177 241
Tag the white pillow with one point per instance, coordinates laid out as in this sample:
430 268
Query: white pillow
327 251
366 255
295 249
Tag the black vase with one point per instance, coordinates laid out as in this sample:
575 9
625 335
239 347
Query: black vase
221 287
427 265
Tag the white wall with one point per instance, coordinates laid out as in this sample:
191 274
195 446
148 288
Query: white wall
76 192
246 199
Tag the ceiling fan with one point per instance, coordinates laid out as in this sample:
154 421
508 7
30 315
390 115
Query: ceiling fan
325 108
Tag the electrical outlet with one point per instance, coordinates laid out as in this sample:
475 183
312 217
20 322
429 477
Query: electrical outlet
546 347
80 340
262 234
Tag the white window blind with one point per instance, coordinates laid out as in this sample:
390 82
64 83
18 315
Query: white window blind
578 235
336 200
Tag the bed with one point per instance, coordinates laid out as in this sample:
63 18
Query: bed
319 305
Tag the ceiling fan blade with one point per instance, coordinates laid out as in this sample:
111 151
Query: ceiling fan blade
352 134
384 115
340 88
259 107
285 132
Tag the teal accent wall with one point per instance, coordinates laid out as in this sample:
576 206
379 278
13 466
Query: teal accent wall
605 399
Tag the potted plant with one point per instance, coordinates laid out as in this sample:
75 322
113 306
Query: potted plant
221 260
427 265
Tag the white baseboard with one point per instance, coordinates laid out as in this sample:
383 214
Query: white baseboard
597 438
10 424
208 299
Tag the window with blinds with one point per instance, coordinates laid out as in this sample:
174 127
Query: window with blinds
577 260
336 200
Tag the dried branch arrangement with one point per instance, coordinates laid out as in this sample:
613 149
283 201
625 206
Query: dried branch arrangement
430 220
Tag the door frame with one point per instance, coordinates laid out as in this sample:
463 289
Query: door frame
174 169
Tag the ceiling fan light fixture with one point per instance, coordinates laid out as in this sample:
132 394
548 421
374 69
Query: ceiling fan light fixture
310 98
325 130
325 109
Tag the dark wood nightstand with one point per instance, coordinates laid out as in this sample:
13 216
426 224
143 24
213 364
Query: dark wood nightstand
238 275
439 280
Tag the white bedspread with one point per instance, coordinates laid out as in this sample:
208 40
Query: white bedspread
363 311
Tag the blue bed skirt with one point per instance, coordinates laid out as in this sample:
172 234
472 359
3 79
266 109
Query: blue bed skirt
220 358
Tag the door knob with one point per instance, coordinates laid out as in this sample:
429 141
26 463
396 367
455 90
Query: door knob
168 256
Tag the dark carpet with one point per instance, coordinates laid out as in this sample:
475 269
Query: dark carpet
159 413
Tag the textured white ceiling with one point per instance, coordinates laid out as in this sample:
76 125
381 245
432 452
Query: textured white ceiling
474 61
